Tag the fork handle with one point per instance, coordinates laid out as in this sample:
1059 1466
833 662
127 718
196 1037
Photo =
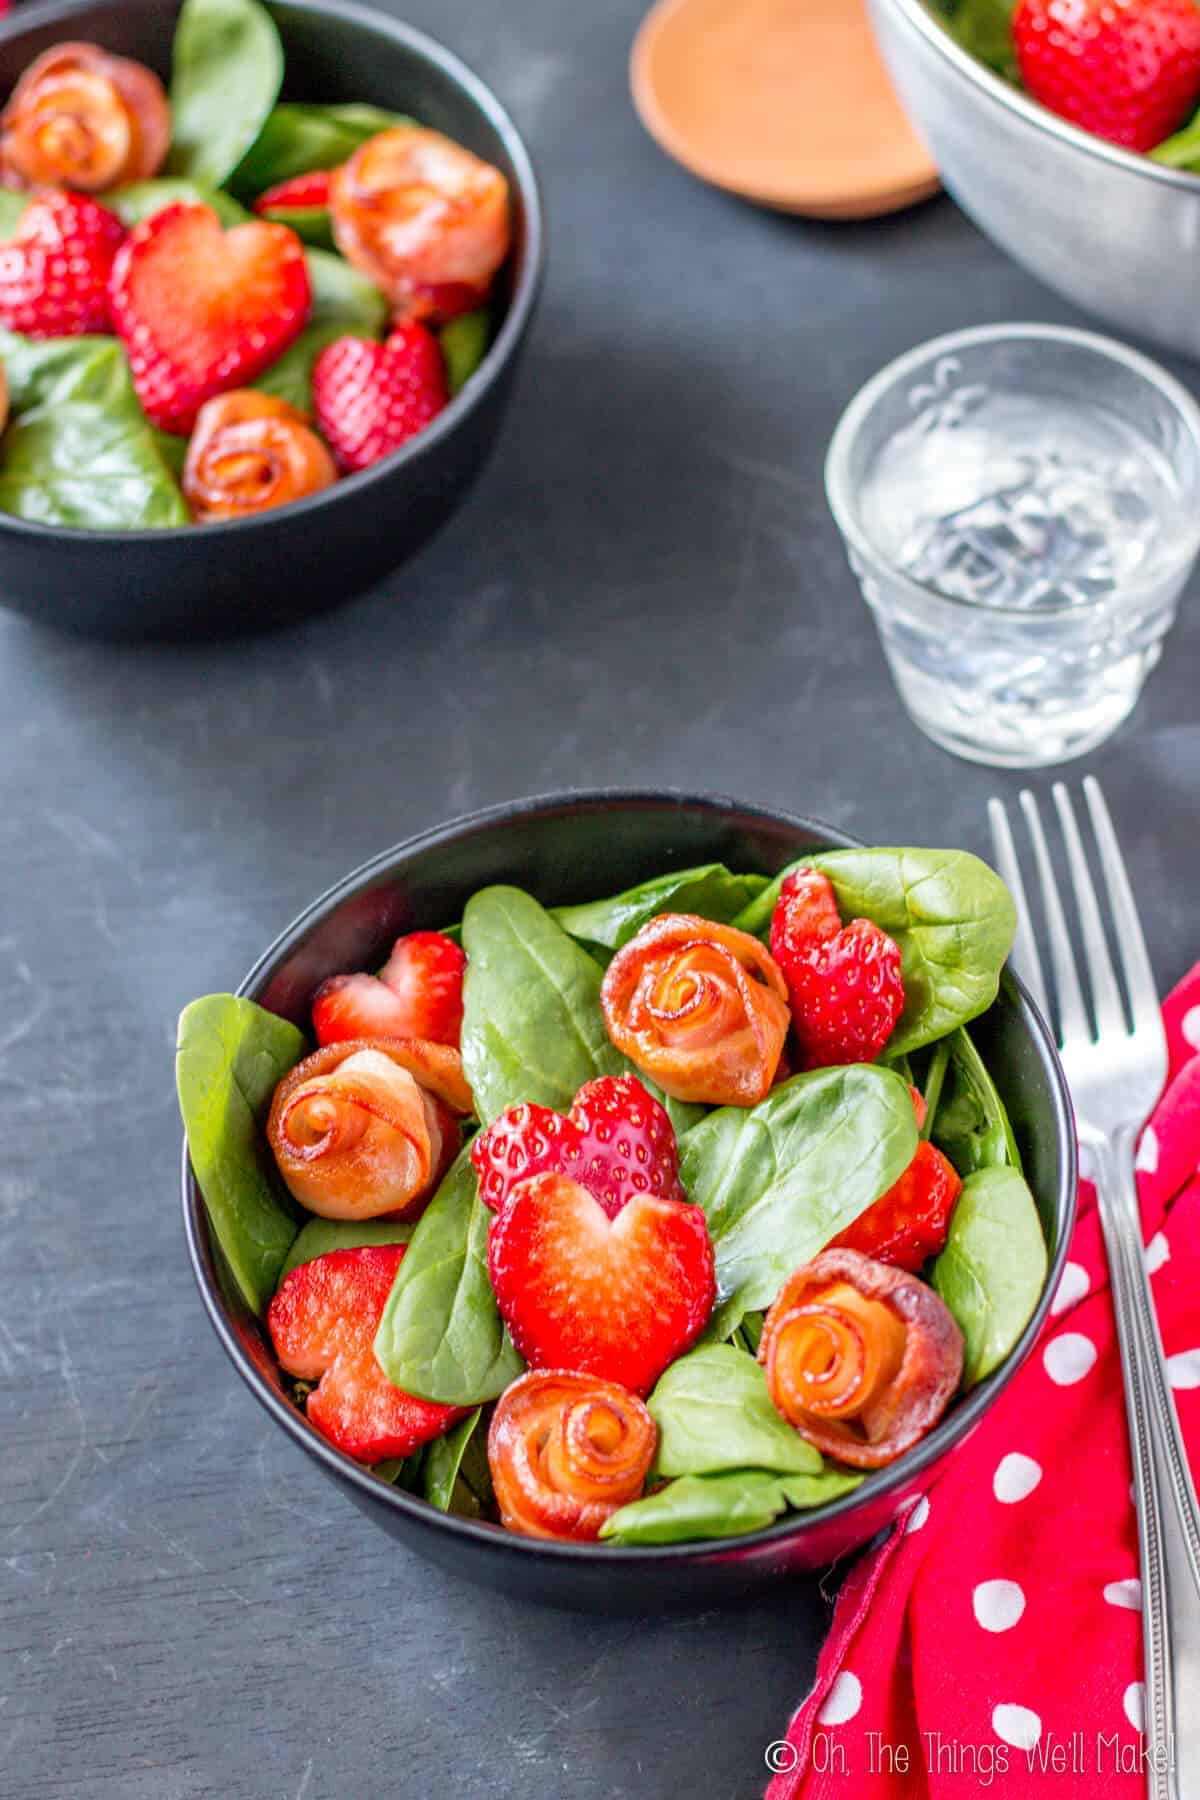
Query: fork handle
1168 1518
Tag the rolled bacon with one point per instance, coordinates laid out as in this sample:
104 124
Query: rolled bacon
566 1451
250 452
82 119
423 218
366 1129
702 1008
861 1358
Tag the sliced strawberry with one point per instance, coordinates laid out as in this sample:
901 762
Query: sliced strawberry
54 272
322 1323
201 310
616 1141
297 194
909 1223
425 973
844 981
619 1298
370 398
356 1006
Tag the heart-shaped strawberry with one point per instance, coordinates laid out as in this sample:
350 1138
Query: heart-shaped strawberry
616 1297
616 1141
370 398
201 310
54 273
844 981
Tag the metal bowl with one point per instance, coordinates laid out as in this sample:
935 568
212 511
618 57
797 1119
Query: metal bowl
1114 232
571 847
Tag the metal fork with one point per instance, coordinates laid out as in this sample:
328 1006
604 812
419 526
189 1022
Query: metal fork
1115 1056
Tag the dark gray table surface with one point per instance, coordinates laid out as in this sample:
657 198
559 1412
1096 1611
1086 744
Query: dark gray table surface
645 589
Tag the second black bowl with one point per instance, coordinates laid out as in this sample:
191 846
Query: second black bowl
251 574
564 849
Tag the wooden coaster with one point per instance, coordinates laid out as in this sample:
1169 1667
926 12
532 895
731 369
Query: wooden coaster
785 102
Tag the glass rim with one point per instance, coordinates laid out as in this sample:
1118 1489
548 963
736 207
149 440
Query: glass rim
843 506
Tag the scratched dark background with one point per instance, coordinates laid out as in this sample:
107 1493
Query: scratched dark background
646 588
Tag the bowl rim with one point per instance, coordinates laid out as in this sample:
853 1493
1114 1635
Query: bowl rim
844 502
1074 137
500 351
952 1430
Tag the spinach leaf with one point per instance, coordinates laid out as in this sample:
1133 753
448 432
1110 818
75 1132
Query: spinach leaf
993 1268
12 205
51 371
344 303
90 466
1182 150
443 1459
713 1412
297 138
231 1057
320 1236
389 1471
441 1336
970 1123
226 73
310 223
533 1029
532 1025
984 29
779 1179
951 915
142 199
710 890
464 344
720 1506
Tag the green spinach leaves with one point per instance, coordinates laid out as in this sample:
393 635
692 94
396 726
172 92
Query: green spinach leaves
320 1236
777 1181
710 891
227 70
993 1268
441 1336
532 1025
79 450
296 138
713 1413
231 1057
721 1506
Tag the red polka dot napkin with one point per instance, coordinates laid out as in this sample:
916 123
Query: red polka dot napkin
993 1642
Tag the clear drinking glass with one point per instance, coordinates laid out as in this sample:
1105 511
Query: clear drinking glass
1021 505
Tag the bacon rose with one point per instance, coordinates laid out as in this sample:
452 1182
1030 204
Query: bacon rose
701 1008
249 452
566 1451
368 1128
424 219
861 1358
83 119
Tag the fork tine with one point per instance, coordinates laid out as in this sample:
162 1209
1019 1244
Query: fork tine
1135 960
1072 1017
1106 995
1025 959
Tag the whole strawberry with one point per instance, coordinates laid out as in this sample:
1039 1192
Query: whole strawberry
844 981
54 271
1127 70
370 398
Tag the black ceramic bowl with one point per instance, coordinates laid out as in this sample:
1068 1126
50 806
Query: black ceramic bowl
251 574
573 847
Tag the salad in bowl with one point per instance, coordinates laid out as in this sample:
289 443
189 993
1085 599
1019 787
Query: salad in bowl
215 301
1126 70
657 1218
